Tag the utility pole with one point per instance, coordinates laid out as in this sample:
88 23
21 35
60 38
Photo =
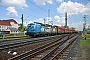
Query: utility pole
48 15
22 23
66 20
44 20
84 24
84 27
51 22
45 25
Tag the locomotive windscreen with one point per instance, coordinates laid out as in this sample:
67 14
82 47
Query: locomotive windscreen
30 25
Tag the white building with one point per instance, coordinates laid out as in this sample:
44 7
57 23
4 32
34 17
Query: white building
9 26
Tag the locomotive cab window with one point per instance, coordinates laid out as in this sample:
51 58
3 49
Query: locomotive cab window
31 25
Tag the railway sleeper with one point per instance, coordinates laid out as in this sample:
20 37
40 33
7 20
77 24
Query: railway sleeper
62 51
32 55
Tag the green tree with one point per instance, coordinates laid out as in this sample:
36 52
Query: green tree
73 28
20 26
24 28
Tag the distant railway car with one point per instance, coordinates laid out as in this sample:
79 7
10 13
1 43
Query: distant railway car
66 30
52 30
60 29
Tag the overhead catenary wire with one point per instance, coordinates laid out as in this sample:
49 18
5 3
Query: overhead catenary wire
56 3
39 7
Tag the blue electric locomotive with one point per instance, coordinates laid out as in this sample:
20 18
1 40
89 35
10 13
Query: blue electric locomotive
35 29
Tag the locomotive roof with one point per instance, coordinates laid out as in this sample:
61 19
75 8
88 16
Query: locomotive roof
43 24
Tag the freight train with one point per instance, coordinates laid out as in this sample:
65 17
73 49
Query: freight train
39 29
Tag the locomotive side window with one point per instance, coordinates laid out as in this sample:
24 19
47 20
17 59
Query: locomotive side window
39 26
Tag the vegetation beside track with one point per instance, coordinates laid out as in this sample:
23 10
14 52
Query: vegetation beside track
9 36
85 46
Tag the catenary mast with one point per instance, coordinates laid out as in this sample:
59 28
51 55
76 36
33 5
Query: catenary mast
66 20
84 24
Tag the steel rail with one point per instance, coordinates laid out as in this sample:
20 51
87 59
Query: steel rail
31 53
64 49
22 43
47 56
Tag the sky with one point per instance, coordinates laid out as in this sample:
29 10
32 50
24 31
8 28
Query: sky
53 11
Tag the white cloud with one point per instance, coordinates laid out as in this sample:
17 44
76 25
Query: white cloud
86 9
49 1
14 3
60 0
11 10
43 2
41 20
70 7
78 26
59 20
57 17
26 23
49 18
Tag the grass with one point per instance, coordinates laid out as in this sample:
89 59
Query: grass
21 35
86 44
14 35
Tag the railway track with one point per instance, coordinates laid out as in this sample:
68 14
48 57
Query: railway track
47 49
59 50
19 43
25 45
